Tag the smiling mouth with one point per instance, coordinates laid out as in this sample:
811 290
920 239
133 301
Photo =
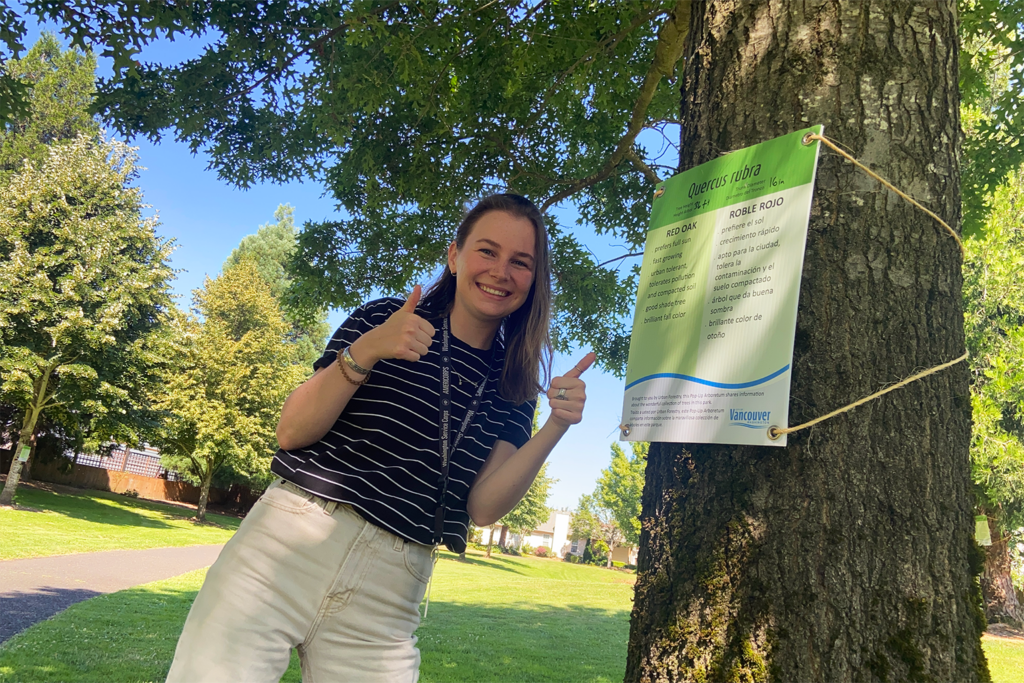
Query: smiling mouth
492 291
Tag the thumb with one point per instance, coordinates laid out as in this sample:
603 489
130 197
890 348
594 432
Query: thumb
582 366
413 300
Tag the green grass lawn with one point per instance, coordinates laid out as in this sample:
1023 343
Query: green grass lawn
498 619
507 619
62 523
1005 658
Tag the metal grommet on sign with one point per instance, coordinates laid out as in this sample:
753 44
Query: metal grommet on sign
774 433
660 191
807 139
625 430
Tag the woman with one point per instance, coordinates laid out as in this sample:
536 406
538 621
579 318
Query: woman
417 419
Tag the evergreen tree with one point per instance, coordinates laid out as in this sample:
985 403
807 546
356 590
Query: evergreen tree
271 249
63 85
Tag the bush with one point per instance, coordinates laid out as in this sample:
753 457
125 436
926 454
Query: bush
618 564
542 551
508 550
571 559
526 549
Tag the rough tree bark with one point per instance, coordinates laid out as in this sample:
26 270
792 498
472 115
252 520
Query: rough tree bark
26 435
996 585
849 554
204 494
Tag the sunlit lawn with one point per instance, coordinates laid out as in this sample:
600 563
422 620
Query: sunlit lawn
1005 659
503 619
62 523
498 619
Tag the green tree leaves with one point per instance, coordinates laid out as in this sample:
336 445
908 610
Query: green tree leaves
62 86
229 371
83 289
620 487
994 326
532 510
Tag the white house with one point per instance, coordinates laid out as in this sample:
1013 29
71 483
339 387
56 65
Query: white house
552 534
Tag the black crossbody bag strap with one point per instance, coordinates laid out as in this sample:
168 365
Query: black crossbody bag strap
447 446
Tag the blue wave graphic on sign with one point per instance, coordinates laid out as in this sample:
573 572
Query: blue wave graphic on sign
707 382
747 425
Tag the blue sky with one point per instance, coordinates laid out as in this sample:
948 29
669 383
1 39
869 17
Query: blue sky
207 218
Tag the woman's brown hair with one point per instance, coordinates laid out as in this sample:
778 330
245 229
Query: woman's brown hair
524 332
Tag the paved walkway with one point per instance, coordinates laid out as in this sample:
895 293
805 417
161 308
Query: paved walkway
37 588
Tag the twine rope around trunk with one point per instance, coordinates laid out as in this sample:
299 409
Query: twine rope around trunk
774 432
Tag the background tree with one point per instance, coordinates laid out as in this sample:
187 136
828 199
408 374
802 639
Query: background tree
620 487
532 510
994 298
83 288
592 521
230 371
991 83
271 249
63 85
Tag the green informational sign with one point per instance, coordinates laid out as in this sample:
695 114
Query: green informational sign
712 343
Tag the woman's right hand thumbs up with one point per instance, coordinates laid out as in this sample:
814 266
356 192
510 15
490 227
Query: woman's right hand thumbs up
404 335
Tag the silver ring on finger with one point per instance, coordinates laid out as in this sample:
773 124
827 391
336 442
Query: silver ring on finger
561 395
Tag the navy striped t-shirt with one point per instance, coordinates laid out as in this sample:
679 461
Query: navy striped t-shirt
381 456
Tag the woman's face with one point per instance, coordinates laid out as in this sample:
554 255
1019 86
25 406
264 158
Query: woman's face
494 268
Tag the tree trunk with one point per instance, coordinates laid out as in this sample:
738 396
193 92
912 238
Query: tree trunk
490 541
996 585
25 436
204 496
503 537
849 554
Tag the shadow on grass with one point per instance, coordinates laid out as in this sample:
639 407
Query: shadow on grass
90 506
495 562
21 609
131 636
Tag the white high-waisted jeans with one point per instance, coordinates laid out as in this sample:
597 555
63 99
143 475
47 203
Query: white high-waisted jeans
306 573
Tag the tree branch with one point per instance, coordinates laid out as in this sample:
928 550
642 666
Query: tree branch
648 172
301 53
608 43
619 258
671 40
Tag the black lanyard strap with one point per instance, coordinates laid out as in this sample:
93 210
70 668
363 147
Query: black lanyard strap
447 446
